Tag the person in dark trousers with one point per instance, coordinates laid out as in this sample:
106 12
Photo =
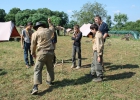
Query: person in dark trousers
26 43
77 36
103 28
98 45
54 41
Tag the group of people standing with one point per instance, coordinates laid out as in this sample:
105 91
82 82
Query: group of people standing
100 32
41 46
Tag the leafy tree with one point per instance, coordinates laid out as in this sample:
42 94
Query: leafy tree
88 12
56 20
120 20
22 17
37 17
71 24
108 21
63 16
2 15
44 11
134 26
11 15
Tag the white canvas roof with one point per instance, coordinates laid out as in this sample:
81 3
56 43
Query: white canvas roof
85 29
7 30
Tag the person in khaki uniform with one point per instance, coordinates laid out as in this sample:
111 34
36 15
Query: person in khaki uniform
43 50
98 45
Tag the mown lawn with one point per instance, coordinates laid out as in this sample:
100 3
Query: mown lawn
121 82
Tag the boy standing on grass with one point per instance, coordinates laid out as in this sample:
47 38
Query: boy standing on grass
26 43
98 45
76 47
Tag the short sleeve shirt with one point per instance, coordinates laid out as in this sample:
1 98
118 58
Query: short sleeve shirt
27 39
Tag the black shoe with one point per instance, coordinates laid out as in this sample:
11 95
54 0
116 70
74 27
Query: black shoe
34 91
93 75
98 79
50 83
32 64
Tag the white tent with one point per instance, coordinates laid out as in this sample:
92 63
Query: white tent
85 29
68 30
7 30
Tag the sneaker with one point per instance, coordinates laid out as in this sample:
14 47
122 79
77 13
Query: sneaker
98 79
34 91
73 66
27 66
49 83
78 67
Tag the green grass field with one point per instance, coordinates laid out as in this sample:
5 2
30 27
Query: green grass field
121 82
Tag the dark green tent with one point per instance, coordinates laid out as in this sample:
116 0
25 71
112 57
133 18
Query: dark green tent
134 33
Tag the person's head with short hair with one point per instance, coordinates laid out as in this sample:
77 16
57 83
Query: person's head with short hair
76 28
29 25
94 28
98 19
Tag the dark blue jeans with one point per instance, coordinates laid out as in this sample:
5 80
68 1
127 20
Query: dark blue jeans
78 50
26 51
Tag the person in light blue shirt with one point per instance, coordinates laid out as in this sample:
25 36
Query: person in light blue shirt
26 43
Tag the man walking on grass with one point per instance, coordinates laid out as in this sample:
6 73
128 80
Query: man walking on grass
42 49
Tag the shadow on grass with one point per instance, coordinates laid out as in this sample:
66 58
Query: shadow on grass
119 76
45 91
107 63
68 60
2 72
67 82
86 66
89 65
127 66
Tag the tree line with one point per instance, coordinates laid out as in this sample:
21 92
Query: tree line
85 15
89 10
21 17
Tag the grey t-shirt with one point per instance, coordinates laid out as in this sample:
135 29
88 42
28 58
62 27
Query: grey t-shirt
27 39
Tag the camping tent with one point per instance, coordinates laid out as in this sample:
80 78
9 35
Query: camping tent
134 33
85 29
68 30
7 30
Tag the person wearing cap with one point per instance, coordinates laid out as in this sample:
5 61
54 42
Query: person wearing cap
42 49
26 43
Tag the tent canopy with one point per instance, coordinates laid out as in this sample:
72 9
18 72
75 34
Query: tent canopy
7 30
85 29
68 30
134 33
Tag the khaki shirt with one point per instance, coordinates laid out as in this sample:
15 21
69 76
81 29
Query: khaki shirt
98 44
42 40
